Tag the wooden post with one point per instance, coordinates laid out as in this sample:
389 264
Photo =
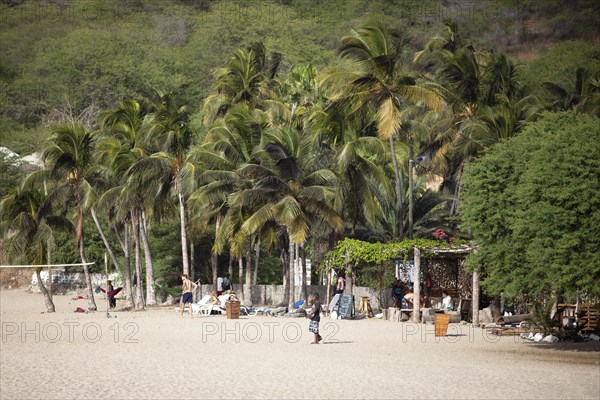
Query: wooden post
416 317
475 303
328 280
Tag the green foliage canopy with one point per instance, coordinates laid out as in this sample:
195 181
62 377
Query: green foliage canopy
357 252
533 204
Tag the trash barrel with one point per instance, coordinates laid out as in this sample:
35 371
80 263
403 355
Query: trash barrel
441 324
232 309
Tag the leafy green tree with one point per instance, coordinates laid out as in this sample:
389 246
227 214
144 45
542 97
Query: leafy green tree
532 204
12 174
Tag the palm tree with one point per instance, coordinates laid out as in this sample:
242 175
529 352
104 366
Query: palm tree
378 85
487 101
27 232
288 190
363 184
582 95
228 148
247 79
69 156
167 131
120 147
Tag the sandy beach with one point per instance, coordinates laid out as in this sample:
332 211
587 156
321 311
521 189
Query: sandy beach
156 354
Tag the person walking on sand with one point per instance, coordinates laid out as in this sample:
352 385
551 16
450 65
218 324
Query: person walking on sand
187 296
315 317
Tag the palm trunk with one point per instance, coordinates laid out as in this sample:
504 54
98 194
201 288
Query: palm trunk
256 259
248 288
192 262
214 258
455 199
399 190
286 276
127 253
304 286
230 269
49 261
88 279
104 240
291 275
184 252
150 295
139 291
240 276
49 303
475 305
416 317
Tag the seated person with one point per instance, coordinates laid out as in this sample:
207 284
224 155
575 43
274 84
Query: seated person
224 298
398 294
446 301
407 301
213 298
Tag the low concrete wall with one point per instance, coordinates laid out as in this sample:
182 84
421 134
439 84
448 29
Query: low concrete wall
272 295
67 283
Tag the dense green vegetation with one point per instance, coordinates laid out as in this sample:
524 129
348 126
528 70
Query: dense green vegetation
212 137
533 205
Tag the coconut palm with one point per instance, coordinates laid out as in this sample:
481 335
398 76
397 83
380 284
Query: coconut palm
228 147
169 137
487 101
288 190
27 233
247 79
583 94
69 157
120 147
378 85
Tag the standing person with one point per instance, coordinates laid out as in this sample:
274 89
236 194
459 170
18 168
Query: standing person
315 317
225 285
187 296
341 285
112 302
111 292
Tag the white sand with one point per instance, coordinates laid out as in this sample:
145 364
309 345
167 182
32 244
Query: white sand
156 354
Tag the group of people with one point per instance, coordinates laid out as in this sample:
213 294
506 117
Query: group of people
405 298
188 287
314 314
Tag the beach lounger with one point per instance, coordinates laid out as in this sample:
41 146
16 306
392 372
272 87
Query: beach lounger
204 307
